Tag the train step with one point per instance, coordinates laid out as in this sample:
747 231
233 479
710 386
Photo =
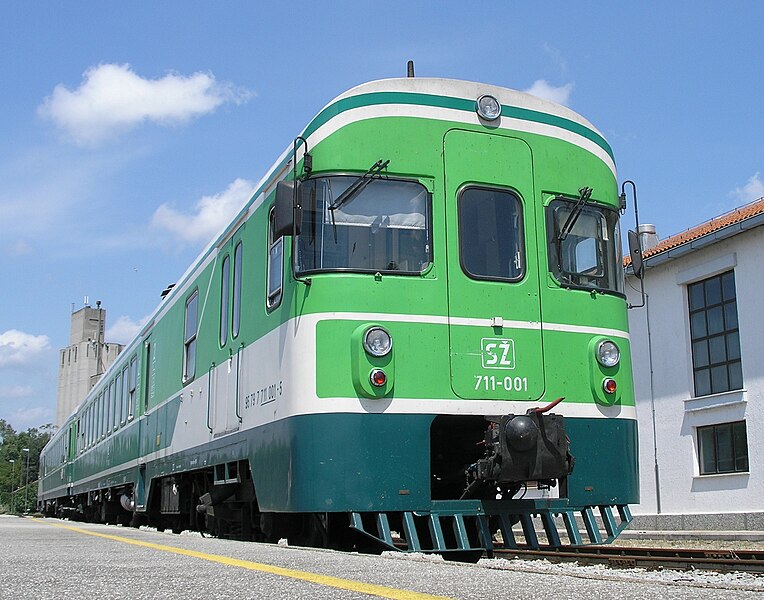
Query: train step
470 526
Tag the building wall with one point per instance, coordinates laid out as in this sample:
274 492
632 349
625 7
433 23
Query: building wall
667 410
84 360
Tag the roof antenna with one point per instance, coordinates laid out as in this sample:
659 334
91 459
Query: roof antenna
410 69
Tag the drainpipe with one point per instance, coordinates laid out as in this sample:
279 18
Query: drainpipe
652 408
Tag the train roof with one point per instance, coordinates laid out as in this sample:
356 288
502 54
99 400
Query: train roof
469 90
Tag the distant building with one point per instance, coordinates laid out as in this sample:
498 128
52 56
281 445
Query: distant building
82 363
698 358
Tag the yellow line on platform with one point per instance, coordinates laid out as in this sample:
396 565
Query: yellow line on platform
325 580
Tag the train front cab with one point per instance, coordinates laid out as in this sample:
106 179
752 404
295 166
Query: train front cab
512 245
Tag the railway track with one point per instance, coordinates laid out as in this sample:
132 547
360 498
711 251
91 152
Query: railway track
722 560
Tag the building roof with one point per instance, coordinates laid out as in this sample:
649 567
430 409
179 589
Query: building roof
707 229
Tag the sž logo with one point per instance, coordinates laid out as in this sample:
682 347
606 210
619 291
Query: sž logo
498 353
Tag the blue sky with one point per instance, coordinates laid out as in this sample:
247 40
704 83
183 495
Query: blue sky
128 131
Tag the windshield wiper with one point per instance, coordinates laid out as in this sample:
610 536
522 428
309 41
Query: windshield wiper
583 199
360 184
356 188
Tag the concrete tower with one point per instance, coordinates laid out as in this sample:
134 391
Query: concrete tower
86 358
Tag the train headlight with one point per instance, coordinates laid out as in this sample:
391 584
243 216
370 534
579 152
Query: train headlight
522 433
488 107
608 354
377 342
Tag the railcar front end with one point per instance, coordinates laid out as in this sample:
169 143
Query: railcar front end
416 325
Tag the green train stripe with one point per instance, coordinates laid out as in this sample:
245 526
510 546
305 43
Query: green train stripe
514 112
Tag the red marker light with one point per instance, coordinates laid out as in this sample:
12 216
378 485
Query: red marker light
378 378
609 385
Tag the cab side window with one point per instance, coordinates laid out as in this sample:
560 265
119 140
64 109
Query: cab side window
189 336
275 264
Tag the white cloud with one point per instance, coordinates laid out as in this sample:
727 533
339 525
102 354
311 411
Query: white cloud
752 190
556 57
20 248
210 214
34 416
18 348
542 89
113 98
124 329
16 391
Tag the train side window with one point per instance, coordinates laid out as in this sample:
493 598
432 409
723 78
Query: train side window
110 408
125 395
189 336
147 370
491 234
275 264
101 415
119 415
225 283
133 386
237 259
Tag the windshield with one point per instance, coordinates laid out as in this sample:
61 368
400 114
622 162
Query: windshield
383 227
589 256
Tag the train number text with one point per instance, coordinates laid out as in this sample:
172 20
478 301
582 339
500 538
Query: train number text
491 383
264 395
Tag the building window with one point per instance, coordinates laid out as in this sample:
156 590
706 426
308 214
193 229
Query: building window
715 337
189 337
723 448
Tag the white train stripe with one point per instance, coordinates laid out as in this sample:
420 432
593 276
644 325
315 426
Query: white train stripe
363 113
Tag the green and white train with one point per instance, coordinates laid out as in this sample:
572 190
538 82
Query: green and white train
379 343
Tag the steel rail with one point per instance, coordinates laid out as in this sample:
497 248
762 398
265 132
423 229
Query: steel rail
624 557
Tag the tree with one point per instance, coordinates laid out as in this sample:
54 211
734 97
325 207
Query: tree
14 474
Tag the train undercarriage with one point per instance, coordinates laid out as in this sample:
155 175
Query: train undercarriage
474 499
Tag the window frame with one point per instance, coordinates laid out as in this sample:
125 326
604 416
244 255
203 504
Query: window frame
553 249
428 231
189 341
238 272
726 334
521 231
118 417
133 387
111 408
125 394
225 299
715 429
102 415
273 297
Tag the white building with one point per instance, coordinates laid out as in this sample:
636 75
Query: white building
698 359
84 360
